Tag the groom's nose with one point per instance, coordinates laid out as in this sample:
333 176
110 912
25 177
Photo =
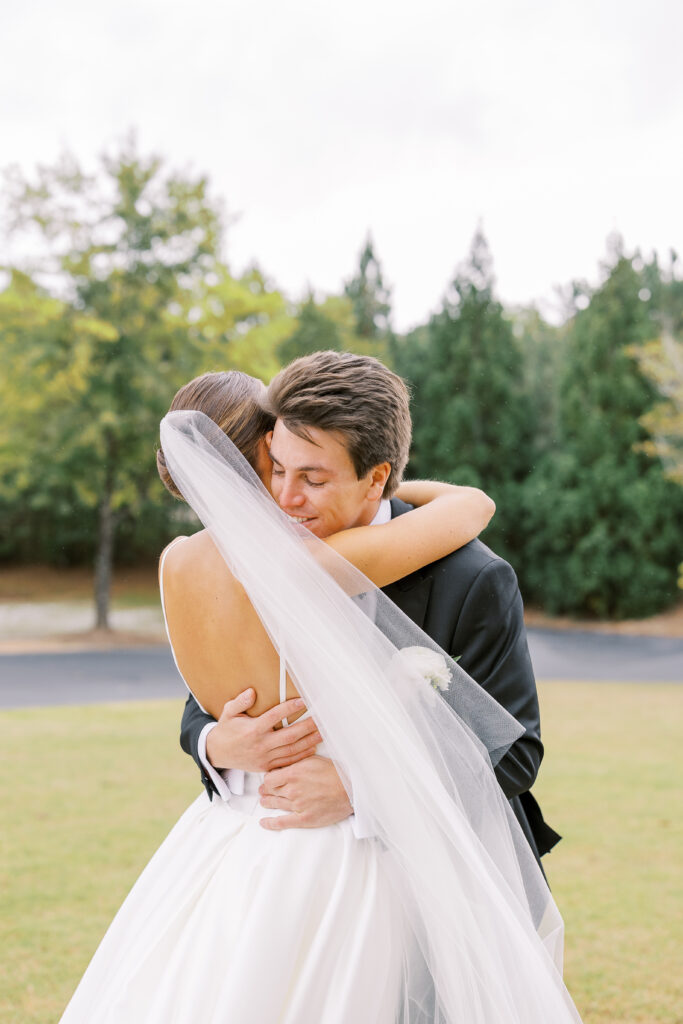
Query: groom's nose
290 496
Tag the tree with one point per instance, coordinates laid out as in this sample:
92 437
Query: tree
661 362
370 298
327 324
314 332
602 518
145 305
542 346
37 504
473 423
355 321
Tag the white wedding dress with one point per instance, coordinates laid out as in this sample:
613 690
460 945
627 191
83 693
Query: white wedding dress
442 917
232 924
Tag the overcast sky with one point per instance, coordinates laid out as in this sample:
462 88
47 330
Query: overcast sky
553 124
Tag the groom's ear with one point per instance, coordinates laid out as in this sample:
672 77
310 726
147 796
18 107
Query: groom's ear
269 438
378 477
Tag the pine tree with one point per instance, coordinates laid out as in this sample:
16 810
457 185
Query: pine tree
602 518
473 422
370 298
314 332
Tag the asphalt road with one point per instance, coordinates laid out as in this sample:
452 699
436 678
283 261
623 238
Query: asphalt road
88 677
92 677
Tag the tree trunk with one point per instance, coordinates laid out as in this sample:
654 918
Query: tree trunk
105 553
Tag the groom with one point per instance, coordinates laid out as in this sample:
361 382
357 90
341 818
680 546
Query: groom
338 450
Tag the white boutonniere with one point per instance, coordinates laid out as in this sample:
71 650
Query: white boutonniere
429 664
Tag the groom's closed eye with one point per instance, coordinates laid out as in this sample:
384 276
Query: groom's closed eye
306 480
278 470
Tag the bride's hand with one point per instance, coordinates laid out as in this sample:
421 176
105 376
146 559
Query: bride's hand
253 744
311 791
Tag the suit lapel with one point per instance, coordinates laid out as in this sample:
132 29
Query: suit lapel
412 596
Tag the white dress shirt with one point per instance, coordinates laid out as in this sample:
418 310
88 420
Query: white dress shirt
230 781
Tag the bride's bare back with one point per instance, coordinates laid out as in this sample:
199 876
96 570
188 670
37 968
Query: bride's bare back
219 641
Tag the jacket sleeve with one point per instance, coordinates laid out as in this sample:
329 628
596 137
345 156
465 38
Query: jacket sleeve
490 642
193 721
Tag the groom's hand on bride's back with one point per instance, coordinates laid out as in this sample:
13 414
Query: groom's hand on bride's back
253 744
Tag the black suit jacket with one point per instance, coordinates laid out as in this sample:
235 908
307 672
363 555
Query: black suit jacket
470 604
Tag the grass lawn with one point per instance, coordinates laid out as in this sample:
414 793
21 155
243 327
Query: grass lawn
611 783
89 792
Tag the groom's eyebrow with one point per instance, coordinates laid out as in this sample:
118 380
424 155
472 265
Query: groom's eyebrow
300 469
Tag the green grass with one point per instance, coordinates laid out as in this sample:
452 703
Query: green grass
88 793
611 783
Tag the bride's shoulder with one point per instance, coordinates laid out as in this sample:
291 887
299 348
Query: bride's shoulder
193 564
187 550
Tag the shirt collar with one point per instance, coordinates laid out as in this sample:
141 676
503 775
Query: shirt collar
383 514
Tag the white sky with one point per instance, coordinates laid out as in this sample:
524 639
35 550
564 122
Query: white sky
552 123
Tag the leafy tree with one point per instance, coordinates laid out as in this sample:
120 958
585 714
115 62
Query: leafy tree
145 305
602 518
37 505
473 423
661 361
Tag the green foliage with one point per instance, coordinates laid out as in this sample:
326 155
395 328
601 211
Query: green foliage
575 431
236 322
101 375
543 352
473 421
330 324
315 331
370 298
602 538
661 362
356 321
602 520
145 306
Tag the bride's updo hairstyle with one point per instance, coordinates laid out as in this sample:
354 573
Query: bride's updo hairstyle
232 400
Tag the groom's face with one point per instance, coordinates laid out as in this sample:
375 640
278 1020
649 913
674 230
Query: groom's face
314 481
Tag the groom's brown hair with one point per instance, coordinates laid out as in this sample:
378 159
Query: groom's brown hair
355 396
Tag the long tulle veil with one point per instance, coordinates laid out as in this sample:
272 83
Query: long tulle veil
485 935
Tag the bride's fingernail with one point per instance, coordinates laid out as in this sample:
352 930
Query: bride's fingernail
300 702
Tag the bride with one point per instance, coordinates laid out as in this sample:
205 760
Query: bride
442 915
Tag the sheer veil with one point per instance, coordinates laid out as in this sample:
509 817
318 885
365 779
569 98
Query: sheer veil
484 938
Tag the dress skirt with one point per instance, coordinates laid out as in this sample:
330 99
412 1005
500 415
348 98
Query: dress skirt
232 924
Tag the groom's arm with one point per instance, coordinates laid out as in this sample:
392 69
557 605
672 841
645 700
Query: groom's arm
238 742
194 727
490 643
490 638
